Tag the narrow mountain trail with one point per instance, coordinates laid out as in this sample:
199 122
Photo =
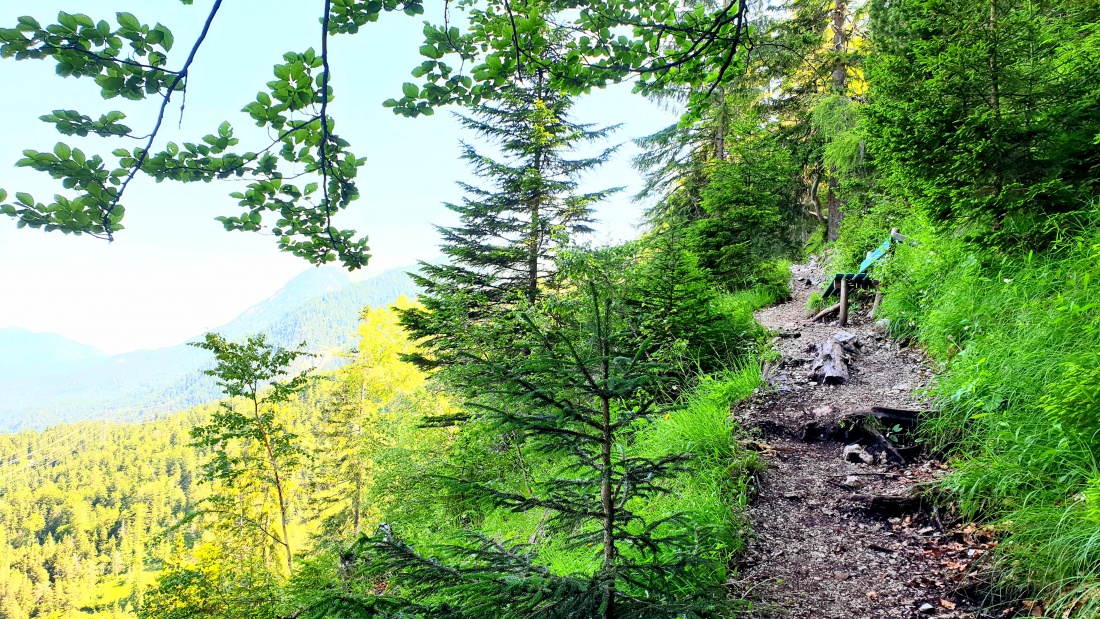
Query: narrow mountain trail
834 538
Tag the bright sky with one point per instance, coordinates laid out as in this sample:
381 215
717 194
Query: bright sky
174 272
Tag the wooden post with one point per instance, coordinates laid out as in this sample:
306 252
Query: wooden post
844 302
874 306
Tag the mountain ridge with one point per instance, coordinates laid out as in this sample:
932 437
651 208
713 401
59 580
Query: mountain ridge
26 353
318 306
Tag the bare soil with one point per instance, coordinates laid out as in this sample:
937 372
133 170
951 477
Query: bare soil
829 541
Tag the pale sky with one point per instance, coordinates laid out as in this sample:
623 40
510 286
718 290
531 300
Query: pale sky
174 272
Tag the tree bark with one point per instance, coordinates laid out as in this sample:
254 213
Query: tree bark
607 499
840 85
830 365
608 503
832 226
278 488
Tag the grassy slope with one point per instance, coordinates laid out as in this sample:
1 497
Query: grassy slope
1019 397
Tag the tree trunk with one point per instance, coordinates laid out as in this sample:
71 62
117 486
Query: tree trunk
358 433
607 500
355 504
535 233
608 503
832 226
840 84
278 489
720 137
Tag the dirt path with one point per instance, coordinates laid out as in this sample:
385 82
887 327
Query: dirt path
820 551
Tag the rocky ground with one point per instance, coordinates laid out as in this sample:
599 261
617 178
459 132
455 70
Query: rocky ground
840 528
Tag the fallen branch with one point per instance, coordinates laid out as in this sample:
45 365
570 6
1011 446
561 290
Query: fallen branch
830 366
825 312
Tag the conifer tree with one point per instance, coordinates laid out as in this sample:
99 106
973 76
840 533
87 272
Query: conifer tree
586 385
514 224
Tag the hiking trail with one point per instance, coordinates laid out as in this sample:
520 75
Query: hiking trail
834 538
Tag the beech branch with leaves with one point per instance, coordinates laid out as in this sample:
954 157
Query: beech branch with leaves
606 41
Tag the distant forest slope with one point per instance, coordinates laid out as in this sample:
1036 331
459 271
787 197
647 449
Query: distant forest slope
320 307
82 526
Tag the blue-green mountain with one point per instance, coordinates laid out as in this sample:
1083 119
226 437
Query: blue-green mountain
48 379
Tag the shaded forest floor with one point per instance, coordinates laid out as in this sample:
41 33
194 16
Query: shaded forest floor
835 538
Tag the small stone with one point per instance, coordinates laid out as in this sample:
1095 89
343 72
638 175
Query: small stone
882 326
926 608
902 387
841 576
844 337
853 481
855 453
823 411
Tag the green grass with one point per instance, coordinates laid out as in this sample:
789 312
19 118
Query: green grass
709 493
713 490
1018 400
815 303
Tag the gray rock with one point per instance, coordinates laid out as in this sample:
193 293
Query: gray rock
856 453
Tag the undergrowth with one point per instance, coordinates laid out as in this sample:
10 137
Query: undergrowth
704 500
1018 399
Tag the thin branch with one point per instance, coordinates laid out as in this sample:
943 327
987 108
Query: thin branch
739 19
160 119
324 124
515 33
106 59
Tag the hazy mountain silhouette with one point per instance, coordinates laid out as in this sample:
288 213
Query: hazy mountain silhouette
57 380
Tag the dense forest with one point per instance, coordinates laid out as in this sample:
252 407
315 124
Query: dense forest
545 431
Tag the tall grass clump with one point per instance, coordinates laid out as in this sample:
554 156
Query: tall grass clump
713 488
1019 397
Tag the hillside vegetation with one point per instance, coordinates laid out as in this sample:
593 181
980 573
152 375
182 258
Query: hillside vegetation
545 432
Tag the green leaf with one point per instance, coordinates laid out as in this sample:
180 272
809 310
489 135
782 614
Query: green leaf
29 23
410 90
62 151
128 21
3 195
67 20
168 40
25 198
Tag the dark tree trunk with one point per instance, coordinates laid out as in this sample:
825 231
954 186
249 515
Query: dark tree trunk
832 231
840 85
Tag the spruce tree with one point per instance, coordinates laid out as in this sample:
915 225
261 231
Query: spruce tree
584 388
514 224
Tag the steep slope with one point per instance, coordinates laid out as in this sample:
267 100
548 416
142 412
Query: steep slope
24 354
320 307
